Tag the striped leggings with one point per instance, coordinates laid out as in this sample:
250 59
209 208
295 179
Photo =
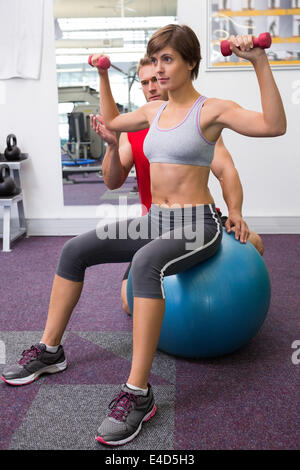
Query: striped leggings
163 242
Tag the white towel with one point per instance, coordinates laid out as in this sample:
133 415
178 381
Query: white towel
21 28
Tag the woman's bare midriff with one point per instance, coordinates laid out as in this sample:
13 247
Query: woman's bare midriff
179 184
182 184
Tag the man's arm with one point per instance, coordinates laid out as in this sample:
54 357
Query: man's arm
117 162
118 159
223 168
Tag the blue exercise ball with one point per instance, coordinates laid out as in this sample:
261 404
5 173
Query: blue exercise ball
217 306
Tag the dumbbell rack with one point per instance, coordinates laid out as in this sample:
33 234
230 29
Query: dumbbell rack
11 230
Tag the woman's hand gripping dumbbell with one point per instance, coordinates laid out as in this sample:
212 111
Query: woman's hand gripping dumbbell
101 62
246 46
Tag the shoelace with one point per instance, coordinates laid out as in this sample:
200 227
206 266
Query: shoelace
121 405
28 354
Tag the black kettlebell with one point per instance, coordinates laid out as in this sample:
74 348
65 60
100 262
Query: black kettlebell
12 153
7 184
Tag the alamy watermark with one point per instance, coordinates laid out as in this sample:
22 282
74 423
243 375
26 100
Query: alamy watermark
167 222
296 92
296 354
2 352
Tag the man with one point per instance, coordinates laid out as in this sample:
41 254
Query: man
120 158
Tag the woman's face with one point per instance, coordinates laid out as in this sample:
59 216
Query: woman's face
170 69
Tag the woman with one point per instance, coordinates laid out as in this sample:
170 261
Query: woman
180 148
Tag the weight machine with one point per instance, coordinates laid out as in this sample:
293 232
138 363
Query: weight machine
84 148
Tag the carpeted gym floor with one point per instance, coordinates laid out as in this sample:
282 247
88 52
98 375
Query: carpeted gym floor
247 400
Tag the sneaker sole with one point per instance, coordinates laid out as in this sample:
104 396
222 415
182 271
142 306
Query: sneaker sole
31 378
130 438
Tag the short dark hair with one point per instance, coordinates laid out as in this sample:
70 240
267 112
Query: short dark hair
181 38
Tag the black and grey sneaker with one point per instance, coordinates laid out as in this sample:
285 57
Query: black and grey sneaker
130 410
34 362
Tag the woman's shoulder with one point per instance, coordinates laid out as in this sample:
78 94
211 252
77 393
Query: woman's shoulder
220 103
154 104
216 106
151 108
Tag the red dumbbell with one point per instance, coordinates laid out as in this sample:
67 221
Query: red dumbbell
103 62
263 41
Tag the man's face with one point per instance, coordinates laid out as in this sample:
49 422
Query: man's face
150 85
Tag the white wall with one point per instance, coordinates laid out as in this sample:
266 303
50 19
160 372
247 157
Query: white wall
269 168
29 109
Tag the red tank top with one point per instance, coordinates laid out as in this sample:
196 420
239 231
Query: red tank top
142 168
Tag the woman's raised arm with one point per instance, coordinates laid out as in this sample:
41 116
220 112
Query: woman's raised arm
113 120
272 121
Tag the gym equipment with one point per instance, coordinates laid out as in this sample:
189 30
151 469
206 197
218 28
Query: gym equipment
96 148
13 224
103 62
86 101
78 94
215 307
263 41
76 151
7 184
78 135
12 152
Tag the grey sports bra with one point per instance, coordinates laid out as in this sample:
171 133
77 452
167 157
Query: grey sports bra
183 144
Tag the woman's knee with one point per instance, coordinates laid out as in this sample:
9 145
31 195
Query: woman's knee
142 262
71 249
70 263
146 276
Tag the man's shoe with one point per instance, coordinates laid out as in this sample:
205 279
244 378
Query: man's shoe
34 362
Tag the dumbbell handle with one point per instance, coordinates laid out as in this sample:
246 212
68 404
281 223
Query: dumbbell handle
263 41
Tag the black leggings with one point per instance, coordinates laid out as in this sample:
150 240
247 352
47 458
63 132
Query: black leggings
163 242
